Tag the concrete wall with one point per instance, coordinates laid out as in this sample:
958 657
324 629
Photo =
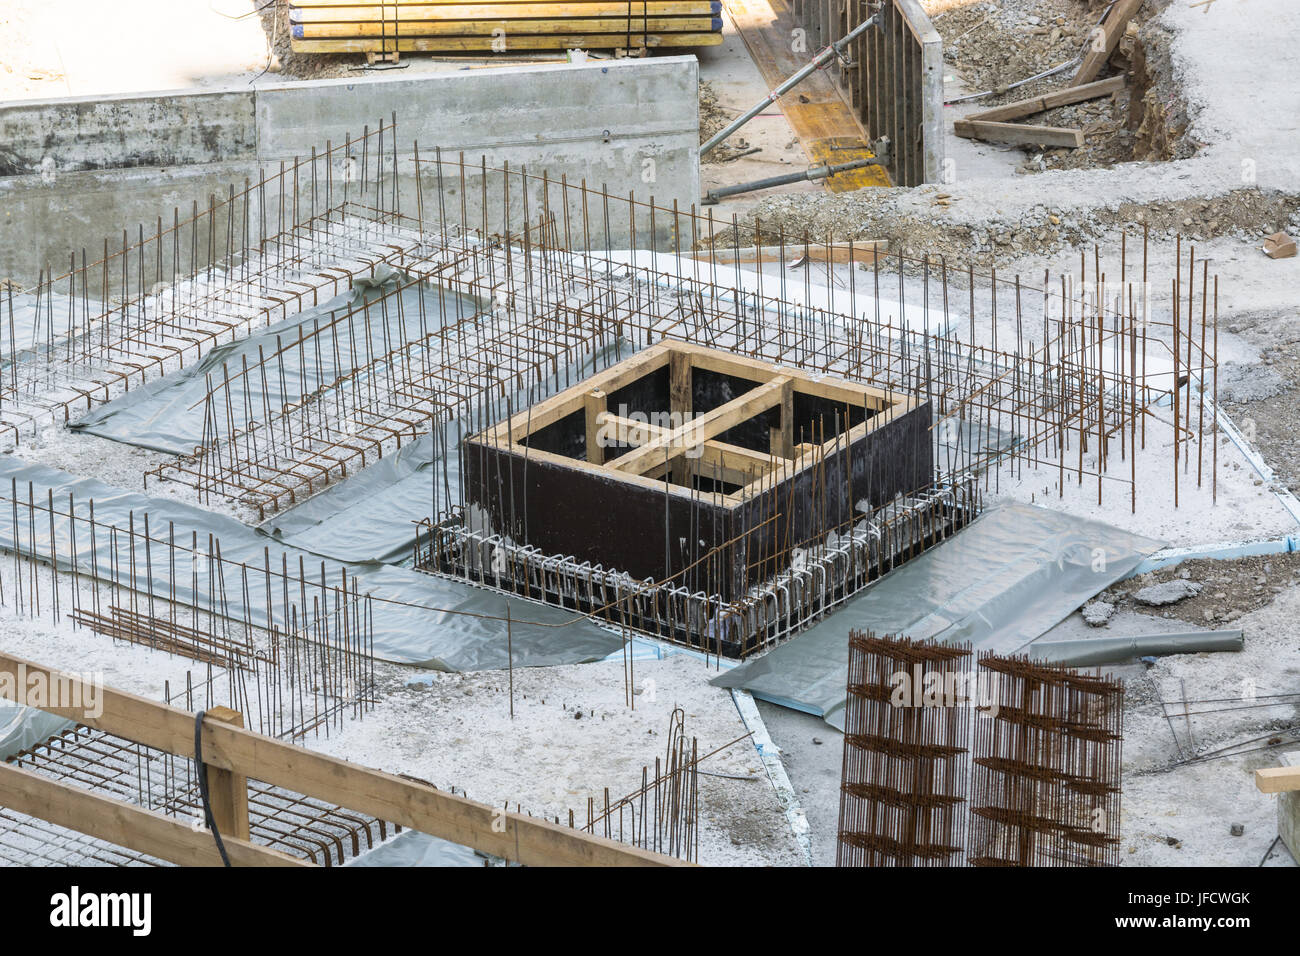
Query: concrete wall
76 171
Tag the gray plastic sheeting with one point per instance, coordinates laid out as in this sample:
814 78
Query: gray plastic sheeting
23 727
37 322
411 848
167 414
1010 576
372 515
419 630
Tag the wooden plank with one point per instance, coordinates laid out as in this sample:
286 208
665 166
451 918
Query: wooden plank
836 389
1048 101
641 481
680 405
372 6
863 251
551 410
511 836
731 463
655 357
509 9
1277 779
783 436
1019 133
679 385
126 824
513 41
493 27
228 790
702 428
596 405
745 460
1112 27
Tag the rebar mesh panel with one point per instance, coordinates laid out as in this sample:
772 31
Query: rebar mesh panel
902 791
1046 784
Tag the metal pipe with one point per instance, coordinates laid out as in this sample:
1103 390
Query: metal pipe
1110 650
795 79
817 172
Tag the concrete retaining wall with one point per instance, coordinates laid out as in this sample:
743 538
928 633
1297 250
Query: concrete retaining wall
76 171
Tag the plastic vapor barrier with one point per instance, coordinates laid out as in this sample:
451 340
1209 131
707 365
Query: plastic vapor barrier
23 727
1013 574
373 515
412 848
412 615
167 414
37 323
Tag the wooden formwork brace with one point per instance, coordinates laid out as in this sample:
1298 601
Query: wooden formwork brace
231 755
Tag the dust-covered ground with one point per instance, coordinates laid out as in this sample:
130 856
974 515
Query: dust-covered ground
573 735
1197 726
1263 397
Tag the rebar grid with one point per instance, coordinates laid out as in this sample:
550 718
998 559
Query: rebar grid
906 723
297 652
1073 384
1046 787
262 253
156 780
540 258
1079 385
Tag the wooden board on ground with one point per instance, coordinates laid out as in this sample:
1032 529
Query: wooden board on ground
1048 101
861 252
507 27
1019 133
383 31
815 109
505 9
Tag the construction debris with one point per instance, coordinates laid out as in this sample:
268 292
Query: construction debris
1097 613
1167 592
1279 246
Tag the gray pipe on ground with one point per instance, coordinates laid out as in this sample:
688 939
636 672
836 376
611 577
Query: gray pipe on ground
1111 650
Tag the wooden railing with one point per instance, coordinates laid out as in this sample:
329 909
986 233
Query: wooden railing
231 755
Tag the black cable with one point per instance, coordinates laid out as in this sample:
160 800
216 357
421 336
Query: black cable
203 786
241 16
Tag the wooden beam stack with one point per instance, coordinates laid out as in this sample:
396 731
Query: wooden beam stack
385 30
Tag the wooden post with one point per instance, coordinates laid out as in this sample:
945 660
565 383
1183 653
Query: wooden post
227 790
596 404
680 406
783 438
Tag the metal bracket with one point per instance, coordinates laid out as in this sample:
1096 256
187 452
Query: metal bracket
880 147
